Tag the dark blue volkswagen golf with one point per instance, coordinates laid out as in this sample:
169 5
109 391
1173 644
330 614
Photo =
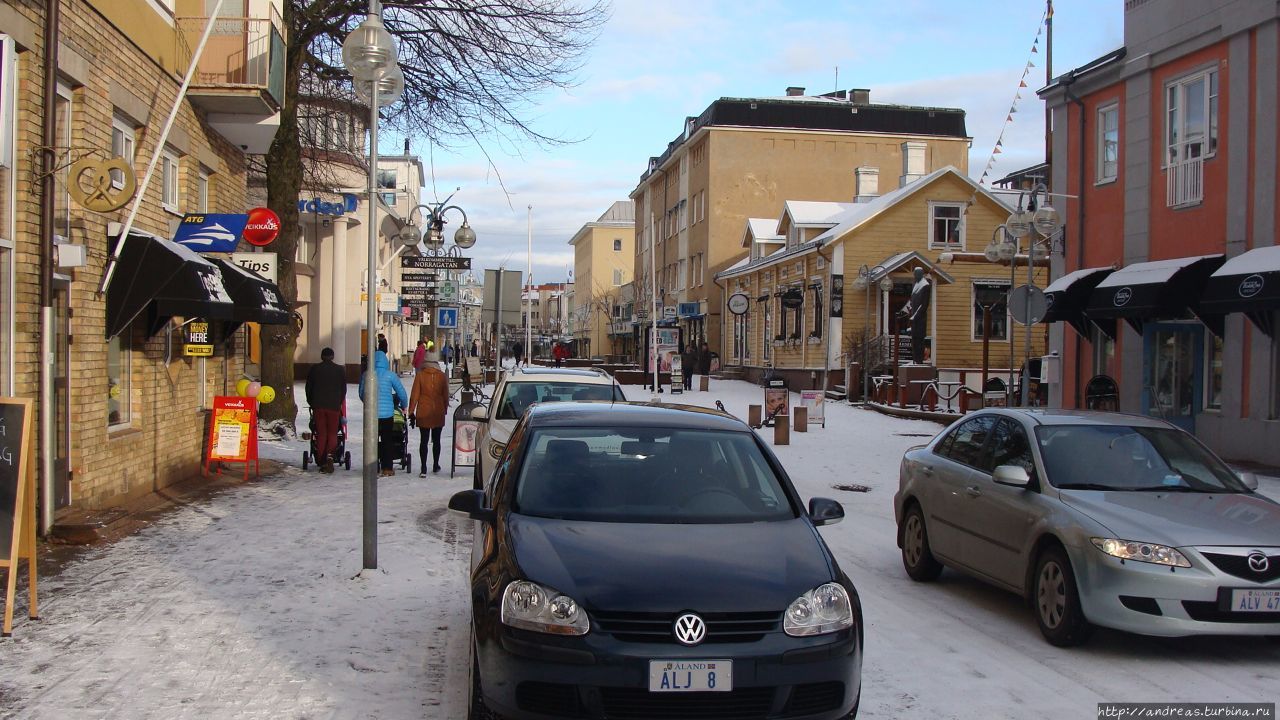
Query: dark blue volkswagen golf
646 561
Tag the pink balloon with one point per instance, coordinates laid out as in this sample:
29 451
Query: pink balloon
252 390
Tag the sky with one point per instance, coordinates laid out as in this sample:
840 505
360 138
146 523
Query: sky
658 61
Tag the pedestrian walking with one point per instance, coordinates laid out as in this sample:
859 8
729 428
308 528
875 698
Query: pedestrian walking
704 361
428 403
689 364
326 391
557 353
517 352
419 354
391 395
475 348
448 359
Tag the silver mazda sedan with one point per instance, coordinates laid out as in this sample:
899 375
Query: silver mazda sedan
1103 519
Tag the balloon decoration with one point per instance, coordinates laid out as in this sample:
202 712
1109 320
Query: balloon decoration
242 387
266 394
254 388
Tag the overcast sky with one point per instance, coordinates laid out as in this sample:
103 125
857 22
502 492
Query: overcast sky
658 61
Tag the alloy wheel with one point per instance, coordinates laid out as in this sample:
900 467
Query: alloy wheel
1051 593
913 539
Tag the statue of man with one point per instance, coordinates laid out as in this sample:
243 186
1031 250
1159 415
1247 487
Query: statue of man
917 312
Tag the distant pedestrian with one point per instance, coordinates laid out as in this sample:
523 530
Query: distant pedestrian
475 348
448 358
517 352
326 391
419 354
689 365
428 403
391 395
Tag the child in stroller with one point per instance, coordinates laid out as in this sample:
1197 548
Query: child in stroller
341 456
400 438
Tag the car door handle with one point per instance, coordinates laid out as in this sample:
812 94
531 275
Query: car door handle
972 490
926 470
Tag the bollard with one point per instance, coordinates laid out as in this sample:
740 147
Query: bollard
781 431
704 383
753 415
802 418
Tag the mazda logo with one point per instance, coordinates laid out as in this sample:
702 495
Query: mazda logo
691 630
1258 562
1250 286
1122 297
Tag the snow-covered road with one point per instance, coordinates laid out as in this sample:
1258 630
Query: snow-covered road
252 604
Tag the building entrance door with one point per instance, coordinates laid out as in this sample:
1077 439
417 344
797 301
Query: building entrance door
1173 372
61 395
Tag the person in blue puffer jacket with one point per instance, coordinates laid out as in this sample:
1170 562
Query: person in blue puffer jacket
391 395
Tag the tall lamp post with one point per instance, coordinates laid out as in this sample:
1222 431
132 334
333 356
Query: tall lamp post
369 54
866 278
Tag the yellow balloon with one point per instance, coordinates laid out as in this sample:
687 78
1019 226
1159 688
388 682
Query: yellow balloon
242 386
266 394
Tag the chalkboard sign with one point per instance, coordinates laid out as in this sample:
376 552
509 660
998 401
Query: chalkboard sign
17 502
14 424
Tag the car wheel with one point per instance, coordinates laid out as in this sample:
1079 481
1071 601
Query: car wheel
917 557
1057 601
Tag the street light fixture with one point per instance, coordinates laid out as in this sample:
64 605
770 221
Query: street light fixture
864 282
370 55
1046 222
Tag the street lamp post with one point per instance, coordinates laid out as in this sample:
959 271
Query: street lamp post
369 54
866 277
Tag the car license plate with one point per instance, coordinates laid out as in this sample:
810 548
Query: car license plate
1255 601
690 675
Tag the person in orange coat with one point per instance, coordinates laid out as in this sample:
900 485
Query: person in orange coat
428 402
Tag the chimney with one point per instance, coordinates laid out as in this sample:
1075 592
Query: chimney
406 147
860 96
867 182
794 91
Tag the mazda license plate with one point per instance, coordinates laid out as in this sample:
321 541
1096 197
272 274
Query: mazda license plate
1255 601
690 675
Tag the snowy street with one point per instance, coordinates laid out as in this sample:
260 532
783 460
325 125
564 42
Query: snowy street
253 604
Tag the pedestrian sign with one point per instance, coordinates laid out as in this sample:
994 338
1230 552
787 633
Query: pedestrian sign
447 318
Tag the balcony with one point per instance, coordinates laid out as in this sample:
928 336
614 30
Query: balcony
1184 182
239 78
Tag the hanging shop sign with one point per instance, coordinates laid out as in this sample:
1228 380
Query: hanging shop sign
263 227
738 303
91 185
793 298
17 501
262 264
233 433
689 309
424 262
349 203
837 296
211 232
197 339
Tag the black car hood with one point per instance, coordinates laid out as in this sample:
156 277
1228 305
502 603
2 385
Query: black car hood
634 567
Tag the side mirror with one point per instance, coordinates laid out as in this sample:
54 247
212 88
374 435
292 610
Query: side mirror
825 511
481 414
471 504
1011 475
1249 479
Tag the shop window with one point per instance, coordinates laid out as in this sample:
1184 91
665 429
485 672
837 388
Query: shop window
305 249
993 294
119 366
945 229
1108 143
1212 371
169 170
1104 352
767 328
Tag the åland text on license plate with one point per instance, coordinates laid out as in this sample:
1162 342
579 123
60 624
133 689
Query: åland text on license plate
690 675
1255 601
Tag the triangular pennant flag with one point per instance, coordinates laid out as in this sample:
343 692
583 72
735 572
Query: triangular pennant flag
1013 109
983 181
997 151
1017 97
1022 83
1000 142
1009 119
1030 64
1037 40
1034 49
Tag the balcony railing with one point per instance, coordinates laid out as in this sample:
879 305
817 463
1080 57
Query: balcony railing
241 54
1184 182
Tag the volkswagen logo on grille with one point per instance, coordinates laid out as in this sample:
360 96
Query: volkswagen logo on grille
1258 562
691 630
1122 297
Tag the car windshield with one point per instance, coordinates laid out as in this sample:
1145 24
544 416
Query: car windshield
649 475
1137 459
518 396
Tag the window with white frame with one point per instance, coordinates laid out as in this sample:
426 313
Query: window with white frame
123 145
617 277
617 244
202 191
992 294
305 248
1108 159
1191 118
169 169
681 278
946 230
63 110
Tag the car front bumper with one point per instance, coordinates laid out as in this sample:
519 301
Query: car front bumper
1158 600
530 676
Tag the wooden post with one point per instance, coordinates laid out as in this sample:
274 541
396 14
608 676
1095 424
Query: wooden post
802 418
753 415
781 430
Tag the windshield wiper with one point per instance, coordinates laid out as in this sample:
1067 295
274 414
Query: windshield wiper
1085 486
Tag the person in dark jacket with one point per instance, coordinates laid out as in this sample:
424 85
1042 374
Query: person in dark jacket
326 391
688 365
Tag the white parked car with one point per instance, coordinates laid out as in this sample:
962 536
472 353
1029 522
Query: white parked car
524 386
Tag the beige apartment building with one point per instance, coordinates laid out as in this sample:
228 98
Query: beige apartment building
604 255
744 157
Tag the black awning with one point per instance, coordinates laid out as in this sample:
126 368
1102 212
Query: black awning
1248 283
163 279
1068 296
1160 289
256 298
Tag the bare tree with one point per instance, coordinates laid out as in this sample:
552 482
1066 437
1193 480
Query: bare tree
473 72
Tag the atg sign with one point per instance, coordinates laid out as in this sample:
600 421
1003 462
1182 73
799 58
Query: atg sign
211 233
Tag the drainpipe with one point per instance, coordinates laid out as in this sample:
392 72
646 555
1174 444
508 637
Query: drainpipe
1080 194
48 412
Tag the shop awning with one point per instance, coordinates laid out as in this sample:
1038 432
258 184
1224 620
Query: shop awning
1068 296
1153 290
256 298
1248 283
161 279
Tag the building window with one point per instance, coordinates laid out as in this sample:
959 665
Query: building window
945 229
1108 143
617 277
62 110
681 278
617 244
767 328
1212 372
387 181
1104 353
991 294
202 191
169 198
1191 129
304 249
123 145
118 384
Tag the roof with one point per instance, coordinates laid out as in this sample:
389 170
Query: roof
621 214
894 262
808 212
1261 259
762 230
526 373
1093 65
631 414
1062 416
1149 273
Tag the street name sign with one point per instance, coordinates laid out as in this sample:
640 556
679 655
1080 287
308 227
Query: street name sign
418 277
421 262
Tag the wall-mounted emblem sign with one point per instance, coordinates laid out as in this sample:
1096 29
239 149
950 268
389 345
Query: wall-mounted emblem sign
738 303
91 184
198 342
1250 286
1122 297
263 227
210 233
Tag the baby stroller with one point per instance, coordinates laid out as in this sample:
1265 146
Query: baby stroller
341 456
400 438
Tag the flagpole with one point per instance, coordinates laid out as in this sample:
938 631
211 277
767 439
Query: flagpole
528 312
1048 80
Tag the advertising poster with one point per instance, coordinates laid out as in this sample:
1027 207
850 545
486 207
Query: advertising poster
776 401
668 347
234 432
464 443
812 399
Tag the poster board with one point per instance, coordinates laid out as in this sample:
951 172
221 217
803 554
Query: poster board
473 366
812 399
233 433
677 374
777 401
17 501
465 432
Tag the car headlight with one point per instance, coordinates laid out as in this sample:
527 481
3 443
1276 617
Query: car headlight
825 609
495 449
1141 552
530 606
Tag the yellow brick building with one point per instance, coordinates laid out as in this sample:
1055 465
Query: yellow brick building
603 256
